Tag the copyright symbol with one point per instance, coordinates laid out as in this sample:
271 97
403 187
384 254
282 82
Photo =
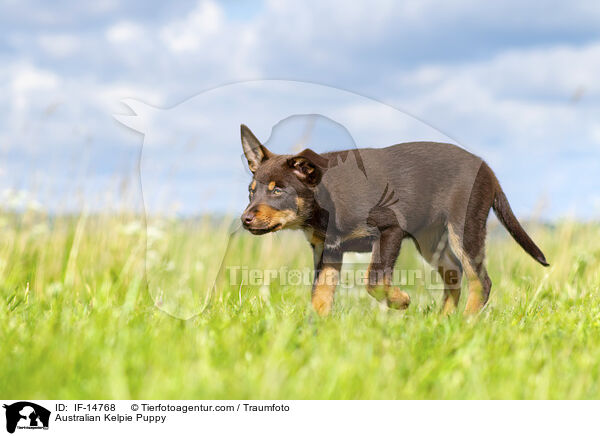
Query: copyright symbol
135 407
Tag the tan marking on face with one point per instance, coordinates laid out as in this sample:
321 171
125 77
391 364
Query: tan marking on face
271 217
271 186
253 185
302 210
322 296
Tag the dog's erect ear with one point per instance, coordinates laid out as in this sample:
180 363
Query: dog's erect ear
308 166
254 151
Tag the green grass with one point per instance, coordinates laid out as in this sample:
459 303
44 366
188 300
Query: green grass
77 321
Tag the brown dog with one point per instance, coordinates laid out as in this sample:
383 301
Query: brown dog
437 194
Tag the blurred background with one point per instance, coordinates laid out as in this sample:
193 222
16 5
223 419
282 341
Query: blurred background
514 82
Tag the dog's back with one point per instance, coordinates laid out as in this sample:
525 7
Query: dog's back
427 179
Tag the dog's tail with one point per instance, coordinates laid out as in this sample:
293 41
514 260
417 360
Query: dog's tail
509 221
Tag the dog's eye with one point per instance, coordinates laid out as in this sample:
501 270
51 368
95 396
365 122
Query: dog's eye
277 191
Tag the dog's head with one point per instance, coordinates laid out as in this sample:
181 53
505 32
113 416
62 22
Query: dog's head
282 189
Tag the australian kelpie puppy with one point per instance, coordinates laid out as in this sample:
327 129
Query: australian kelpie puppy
437 194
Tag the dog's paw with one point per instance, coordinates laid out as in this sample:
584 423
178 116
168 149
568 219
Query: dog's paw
322 305
398 299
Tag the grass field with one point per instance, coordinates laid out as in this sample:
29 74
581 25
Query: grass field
77 322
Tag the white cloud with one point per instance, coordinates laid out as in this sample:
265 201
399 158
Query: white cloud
26 78
59 45
523 97
555 71
191 33
26 85
124 32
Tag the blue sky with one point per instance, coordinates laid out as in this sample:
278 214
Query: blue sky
513 81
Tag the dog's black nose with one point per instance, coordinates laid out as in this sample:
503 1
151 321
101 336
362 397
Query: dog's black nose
247 218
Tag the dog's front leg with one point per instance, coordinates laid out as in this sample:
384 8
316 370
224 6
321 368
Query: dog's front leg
327 274
380 274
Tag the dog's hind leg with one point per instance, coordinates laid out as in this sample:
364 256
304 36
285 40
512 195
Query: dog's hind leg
381 270
434 246
450 271
466 234
469 247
